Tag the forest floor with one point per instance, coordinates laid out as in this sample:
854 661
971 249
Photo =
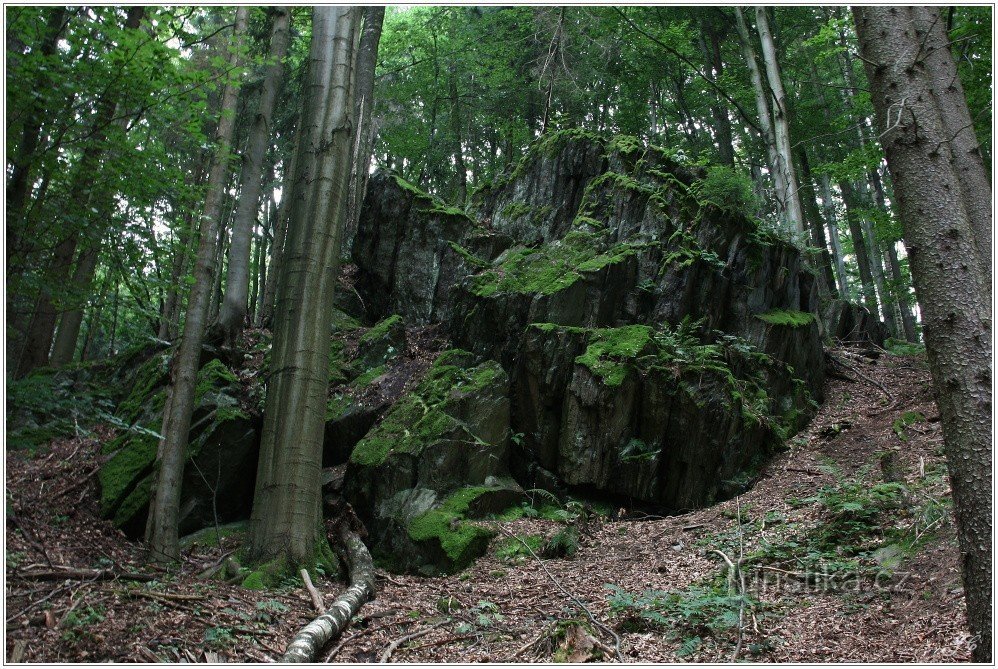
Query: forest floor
848 555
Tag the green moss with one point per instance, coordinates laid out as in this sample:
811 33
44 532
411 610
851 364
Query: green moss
421 417
550 268
610 350
367 377
461 540
340 370
625 144
381 330
441 209
135 456
468 256
255 581
411 188
515 210
786 317
153 372
343 322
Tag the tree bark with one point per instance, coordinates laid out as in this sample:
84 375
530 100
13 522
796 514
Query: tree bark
943 250
901 291
456 131
286 516
958 126
363 143
307 644
162 526
817 227
711 47
70 322
280 234
828 206
860 249
781 124
232 311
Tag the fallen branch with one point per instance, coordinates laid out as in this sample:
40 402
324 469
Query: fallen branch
861 375
387 654
310 640
83 575
312 592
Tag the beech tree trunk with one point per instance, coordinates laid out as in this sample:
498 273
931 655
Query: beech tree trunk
280 234
363 143
828 206
817 227
781 124
711 47
232 310
286 518
901 294
162 526
70 322
860 249
943 247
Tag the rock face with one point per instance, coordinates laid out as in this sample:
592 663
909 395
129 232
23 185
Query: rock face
220 468
658 346
435 458
852 323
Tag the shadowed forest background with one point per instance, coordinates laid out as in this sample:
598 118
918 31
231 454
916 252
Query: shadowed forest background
564 331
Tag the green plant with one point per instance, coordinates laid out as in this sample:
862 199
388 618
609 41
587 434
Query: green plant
906 419
699 609
218 637
483 615
78 621
726 188
563 544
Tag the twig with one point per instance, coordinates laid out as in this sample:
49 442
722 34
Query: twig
387 654
312 592
589 614
82 575
173 597
336 649
861 375
524 648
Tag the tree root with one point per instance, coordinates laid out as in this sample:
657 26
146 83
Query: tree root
310 640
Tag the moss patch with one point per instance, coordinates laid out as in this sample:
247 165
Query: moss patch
461 541
787 317
550 268
381 330
468 256
609 349
421 416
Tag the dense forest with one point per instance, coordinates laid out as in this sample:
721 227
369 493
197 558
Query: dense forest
525 333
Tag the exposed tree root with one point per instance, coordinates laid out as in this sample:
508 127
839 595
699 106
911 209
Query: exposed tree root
310 640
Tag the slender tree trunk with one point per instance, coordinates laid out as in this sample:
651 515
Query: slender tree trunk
261 266
816 225
162 527
947 91
877 269
715 65
860 248
828 205
280 233
765 119
232 312
363 144
781 123
901 289
456 132
286 518
19 184
42 328
70 322
943 250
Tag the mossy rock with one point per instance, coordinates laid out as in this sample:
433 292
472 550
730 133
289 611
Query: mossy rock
381 343
220 460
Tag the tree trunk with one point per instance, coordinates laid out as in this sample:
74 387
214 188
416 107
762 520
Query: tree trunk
901 287
70 322
762 108
943 250
816 225
947 91
363 144
232 312
42 328
280 234
877 269
715 65
456 129
781 124
853 215
162 527
833 233
286 517
19 185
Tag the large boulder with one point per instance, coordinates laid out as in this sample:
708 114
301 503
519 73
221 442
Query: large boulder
438 456
220 460
670 418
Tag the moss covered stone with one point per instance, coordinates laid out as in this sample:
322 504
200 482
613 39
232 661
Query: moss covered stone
610 350
551 267
421 416
462 541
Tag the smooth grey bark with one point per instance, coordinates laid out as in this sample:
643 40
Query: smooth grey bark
901 291
947 91
826 286
762 109
286 516
307 644
162 525
233 307
943 250
877 269
781 123
280 235
366 128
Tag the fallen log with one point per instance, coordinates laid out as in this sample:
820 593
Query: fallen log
310 640
70 573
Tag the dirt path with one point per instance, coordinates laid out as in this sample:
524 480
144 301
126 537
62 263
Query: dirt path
840 565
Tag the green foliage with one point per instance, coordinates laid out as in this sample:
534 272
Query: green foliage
903 348
460 539
219 637
701 608
726 188
786 317
514 551
78 621
563 544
